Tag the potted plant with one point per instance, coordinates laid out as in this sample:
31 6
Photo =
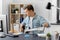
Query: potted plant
48 36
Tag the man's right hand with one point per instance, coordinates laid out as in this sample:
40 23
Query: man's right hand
22 28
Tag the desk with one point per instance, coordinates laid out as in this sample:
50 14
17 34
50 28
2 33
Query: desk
22 37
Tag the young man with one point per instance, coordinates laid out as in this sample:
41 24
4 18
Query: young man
32 20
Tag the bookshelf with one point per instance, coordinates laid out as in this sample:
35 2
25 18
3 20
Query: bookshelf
17 15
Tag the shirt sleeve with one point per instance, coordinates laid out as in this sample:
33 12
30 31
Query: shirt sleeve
24 22
42 21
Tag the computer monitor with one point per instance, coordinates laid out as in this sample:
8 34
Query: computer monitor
3 27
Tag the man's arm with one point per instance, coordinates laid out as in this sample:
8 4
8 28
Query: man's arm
22 25
44 22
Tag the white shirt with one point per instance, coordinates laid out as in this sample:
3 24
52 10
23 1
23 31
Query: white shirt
30 22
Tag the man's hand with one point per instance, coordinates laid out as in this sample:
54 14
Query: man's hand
46 25
22 28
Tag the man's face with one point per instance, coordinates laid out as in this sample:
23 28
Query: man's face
28 12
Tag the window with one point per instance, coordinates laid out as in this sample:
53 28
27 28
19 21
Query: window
58 11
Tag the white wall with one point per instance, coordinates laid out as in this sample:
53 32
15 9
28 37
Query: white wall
54 11
0 7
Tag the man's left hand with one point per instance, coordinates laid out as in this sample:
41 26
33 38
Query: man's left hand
46 24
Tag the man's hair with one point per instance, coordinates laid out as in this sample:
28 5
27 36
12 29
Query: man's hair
29 7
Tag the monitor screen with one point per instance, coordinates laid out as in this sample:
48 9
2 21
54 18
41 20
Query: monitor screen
3 27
